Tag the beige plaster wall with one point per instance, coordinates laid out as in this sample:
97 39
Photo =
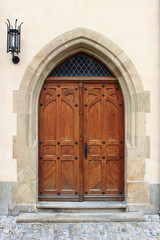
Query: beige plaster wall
132 25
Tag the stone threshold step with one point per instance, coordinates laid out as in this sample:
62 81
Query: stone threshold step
81 217
82 205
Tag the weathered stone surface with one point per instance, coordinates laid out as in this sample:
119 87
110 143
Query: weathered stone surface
82 205
155 196
144 101
144 208
81 217
68 207
5 196
137 192
14 147
143 146
24 192
18 98
135 169
16 209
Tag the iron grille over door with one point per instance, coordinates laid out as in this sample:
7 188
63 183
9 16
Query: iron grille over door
81 65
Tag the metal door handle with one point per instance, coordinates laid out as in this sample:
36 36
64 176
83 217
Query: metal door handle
85 150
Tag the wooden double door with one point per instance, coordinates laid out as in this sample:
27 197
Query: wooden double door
81 140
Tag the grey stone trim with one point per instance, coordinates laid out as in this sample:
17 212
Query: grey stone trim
144 208
5 197
80 217
155 196
16 209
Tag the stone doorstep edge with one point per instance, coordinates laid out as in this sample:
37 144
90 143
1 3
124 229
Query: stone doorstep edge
95 205
72 217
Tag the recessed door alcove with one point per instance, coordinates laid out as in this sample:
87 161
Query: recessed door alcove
26 99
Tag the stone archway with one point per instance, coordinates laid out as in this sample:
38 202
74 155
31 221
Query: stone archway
26 101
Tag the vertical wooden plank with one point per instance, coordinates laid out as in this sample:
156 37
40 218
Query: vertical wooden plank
121 134
58 139
92 122
85 138
77 139
81 142
40 149
103 140
69 134
114 135
47 165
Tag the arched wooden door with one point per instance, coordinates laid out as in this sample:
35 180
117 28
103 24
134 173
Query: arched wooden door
81 139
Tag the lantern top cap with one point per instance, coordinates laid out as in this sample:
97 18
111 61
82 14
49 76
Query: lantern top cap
10 27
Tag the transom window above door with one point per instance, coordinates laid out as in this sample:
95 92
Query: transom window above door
81 65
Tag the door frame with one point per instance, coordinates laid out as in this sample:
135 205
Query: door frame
84 80
137 101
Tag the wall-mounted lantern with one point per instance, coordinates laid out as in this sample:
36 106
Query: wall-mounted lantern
13 40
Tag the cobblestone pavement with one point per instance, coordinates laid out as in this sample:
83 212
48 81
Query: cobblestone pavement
149 230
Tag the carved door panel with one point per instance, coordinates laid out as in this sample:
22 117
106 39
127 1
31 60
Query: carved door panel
103 129
81 141
59 142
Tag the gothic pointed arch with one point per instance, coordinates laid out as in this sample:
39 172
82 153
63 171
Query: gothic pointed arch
26 100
